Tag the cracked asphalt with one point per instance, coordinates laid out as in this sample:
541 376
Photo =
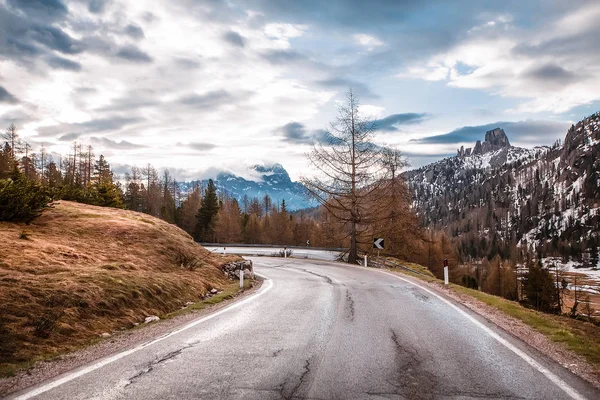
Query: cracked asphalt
324 331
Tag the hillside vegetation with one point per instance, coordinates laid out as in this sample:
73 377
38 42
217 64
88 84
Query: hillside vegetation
79 271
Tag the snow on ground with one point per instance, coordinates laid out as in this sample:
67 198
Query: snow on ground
573 267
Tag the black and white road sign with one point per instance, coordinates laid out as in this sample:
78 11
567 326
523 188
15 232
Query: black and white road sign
378 243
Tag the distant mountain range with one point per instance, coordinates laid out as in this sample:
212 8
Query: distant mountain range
501 199
266 179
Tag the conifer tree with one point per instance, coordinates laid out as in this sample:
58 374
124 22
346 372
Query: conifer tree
207 214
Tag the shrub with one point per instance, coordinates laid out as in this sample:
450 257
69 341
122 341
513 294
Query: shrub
7 343
46 323
22 200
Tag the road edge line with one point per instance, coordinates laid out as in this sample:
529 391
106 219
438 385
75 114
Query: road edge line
103 362
565 387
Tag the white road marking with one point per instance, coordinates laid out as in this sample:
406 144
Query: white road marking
529 360
118 356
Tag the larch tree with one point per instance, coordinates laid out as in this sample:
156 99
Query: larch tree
348 170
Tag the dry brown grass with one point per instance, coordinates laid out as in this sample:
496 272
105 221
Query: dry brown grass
83 270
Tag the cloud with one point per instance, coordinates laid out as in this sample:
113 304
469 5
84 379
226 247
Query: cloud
391 122
234 39
297 133
339 83
113 144
527 132
6 97
283 56
97 6
63 63
40 8
133 54
368 41
187 63
209 99
551 73
199 146
551 68
92 126
134 31
70 136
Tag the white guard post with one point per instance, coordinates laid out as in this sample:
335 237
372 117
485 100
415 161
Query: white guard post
241 278
446 280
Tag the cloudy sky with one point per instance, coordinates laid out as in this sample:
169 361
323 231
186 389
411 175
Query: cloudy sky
199 86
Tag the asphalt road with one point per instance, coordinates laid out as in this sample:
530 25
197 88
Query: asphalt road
321 330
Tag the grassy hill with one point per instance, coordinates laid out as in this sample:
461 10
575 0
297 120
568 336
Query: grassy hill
79 271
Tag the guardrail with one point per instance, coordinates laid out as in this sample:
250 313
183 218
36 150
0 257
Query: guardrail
273 246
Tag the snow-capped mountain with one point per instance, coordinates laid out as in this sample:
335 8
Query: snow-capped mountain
500 199
260 180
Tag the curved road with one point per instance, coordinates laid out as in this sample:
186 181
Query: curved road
322 330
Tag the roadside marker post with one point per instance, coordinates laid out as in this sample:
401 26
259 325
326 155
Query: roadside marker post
366 265
285 252
224 250
241 277
446 281
378 243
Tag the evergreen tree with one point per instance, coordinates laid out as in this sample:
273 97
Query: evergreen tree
539 288
207 214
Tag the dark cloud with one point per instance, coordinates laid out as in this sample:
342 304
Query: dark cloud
70 137
113 144
283 56
551 73
187 63
391 122
531 132
40 8
234 39
297 133
359 88
209 99
93 126
97 6
198 146
55 39
28 31
134 31
6 97
133 54
63 63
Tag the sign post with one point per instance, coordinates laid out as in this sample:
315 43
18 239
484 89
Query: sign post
378 243
446 271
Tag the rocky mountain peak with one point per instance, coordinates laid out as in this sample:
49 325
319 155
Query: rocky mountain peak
495 139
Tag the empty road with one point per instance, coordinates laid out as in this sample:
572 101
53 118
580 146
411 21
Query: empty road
322 330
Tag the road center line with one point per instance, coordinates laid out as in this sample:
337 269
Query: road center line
74 375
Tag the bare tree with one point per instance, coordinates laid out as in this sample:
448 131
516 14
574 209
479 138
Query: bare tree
348 170
12 138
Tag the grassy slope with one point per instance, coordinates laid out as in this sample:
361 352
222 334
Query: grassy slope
101 269
581 337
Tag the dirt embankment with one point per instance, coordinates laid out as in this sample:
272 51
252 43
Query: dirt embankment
79 271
